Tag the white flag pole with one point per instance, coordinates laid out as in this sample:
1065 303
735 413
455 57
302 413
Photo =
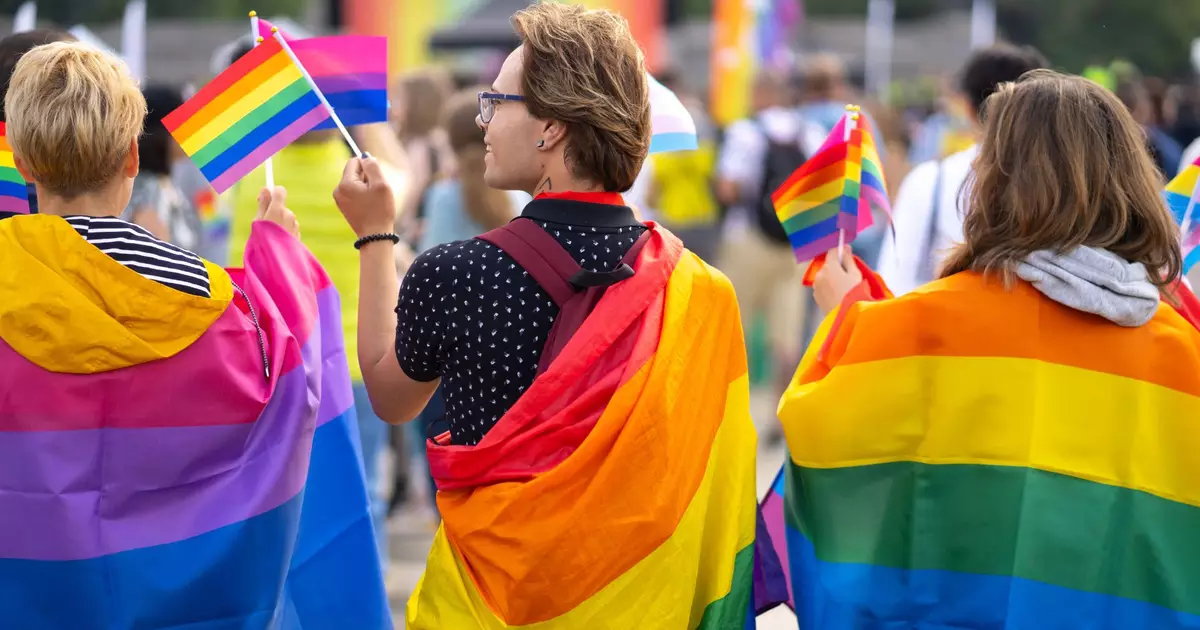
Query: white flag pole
851 123
268 166
25 18
313 84
133 38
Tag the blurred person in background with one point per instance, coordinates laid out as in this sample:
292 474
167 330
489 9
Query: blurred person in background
418 98
308 169
458 208
12 48
157 203
1184 113
927 211
679 188
1166 152
824 90
759 154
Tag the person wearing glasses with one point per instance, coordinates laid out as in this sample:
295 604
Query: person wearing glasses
593 370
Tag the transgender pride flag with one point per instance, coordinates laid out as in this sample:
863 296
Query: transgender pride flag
671 126
171 461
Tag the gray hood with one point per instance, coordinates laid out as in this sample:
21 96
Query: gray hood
1093 281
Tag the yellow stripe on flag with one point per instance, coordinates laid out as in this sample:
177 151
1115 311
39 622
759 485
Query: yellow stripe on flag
286 76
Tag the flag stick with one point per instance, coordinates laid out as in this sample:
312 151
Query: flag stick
313 84
269 166
851 119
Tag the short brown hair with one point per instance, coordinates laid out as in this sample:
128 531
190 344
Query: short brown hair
73 114
424 93
1063 164
582 67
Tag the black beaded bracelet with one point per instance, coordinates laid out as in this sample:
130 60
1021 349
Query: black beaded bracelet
371 238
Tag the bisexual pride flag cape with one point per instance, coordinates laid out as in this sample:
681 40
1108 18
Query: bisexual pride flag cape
173 461
619 491
972 457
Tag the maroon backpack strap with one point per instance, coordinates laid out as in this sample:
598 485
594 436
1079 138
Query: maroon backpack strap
539 254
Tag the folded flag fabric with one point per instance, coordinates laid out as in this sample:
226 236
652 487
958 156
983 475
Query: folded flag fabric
174 461
672 127
14 193
971 457
258 105
350 70
829 198
619 491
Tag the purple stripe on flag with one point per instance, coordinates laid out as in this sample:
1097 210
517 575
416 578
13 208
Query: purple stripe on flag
773 518
14 204
70 495
303 125
353 82
819 246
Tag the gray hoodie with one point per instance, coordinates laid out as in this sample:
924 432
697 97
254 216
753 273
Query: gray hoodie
1093 281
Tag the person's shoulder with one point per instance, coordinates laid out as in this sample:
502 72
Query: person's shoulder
963 159
453 260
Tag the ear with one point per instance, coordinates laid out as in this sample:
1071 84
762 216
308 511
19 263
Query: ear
23 169
553 132
132 161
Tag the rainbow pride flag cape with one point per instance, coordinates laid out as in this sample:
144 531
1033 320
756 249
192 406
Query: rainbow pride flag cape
1012 464
14 193
350 70
172 461
829 197
1183 198
619 491
252 110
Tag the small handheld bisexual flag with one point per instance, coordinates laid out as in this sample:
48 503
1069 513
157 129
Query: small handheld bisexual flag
252 110
1182 195
350 70
14 193
828 199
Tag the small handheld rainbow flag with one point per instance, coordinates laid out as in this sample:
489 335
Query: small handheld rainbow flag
1182 195
14 194
827 201
257 106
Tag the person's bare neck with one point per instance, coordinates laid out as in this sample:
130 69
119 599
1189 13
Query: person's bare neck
561 180
103 203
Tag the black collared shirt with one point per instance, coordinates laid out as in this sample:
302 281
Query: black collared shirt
470 315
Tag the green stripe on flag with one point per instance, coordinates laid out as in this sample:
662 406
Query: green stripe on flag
812 216
730 611
852 188
251 121
1002 520
10 174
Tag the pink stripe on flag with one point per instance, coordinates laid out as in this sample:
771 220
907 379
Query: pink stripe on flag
14 204
342 54
243 167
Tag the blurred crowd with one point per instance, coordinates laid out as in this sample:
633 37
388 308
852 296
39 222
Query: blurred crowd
717 199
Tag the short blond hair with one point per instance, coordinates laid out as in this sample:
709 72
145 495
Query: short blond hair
73 113
582 67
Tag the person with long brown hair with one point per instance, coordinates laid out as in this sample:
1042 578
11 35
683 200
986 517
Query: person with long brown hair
1012 445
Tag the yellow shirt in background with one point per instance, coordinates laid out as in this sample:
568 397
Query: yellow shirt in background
683 180
309 171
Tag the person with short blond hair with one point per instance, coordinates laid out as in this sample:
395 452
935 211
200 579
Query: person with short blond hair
166 416
534 331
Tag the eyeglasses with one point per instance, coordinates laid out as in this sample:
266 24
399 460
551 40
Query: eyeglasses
487 104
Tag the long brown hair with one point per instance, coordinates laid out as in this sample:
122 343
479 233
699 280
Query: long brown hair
1063 164
423 93
488 207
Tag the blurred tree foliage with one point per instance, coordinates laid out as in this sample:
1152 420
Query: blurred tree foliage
70 12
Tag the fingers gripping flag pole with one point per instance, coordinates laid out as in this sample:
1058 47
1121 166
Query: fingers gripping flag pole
269 165
308 77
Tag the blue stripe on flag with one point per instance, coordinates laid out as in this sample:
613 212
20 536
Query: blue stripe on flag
13 189
358 107
226 578
260 135
842 596
335 580
1191 259
814 232
674 141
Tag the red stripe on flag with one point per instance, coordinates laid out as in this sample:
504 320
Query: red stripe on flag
818 162
231 75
